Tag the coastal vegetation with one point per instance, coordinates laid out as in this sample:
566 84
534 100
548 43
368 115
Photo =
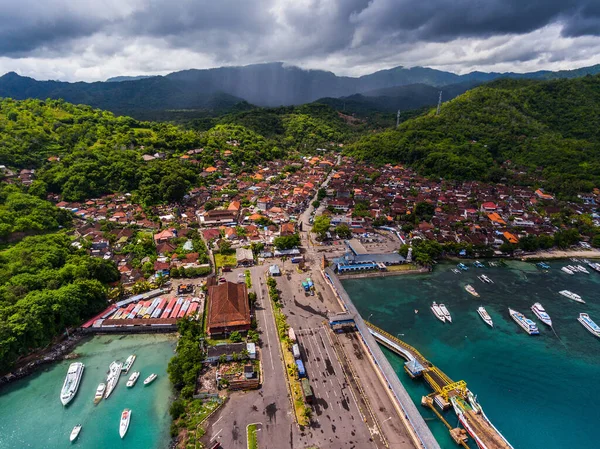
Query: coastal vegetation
538 132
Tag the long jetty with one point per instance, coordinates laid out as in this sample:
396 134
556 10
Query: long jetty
424 437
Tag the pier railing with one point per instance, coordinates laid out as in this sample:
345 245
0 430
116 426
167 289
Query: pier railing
416 354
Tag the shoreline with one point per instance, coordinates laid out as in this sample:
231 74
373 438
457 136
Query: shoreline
376 274
562 254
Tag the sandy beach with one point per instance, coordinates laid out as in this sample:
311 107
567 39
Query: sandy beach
564 254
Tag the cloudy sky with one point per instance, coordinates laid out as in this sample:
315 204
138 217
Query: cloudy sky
93 40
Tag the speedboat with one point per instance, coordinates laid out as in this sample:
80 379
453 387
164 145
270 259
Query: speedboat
75 433
133 379
528 326
540 312
124 424
128 363
462 266
485 316
567 270
446 313
437 311
99 393
150 379
589 324
571 295
582 269
113 378
471 290
71 383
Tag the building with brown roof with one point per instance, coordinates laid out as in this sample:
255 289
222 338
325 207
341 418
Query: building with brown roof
228 308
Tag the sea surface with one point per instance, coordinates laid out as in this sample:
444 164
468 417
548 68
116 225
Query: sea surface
32 416
540 391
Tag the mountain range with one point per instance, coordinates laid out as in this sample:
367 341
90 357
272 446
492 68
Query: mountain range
270 84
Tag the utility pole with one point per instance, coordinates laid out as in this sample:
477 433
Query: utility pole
398 118
439 104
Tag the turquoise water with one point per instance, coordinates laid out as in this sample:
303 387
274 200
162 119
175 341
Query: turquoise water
541 392
32 416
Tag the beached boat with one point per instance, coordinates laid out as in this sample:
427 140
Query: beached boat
528 326
541 313
112 379
471 290
446 313
133 379
99 393
567 270
128 363
150 379
75 433
574 296
71 383
124 424
437 311
485 316
589 324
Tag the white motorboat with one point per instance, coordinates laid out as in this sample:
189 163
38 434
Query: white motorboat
528 326
113 378
133 379
71 383
589 324
75 433
485 316
446 313
567 270
150 379
124 424
439 314
471 290
571 295
582 269
540 312
99 393
128 363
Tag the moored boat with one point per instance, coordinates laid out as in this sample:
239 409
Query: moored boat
478 264
543 265
589 324
567 270
75 433
133 379
471 290
113 378
446 313
71 383
462 266
99 393
528 326
128 363
582 269
541 313
571 295
150 379
485 316
439 314
124 424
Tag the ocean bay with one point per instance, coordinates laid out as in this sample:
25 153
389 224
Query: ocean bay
31 415
539 391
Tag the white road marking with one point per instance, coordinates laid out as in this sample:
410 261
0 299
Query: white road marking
217 421
216 435
265 321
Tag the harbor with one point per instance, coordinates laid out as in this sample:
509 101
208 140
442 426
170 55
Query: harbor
34 417
517 378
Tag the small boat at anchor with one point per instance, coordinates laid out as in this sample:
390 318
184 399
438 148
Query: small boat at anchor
567 270
478 264
128 363
541 313
582 269
589 324
72 381
526 324
485 279
437 311
124 424
446 313
113 378
99 393
471 290
133 379
462 266
75 433
543 265
150 379
485 316
574 296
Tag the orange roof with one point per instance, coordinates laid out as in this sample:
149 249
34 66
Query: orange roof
255 217
210 169
496 218
258 177
510 237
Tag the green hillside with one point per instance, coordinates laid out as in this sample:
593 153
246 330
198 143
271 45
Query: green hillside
549 128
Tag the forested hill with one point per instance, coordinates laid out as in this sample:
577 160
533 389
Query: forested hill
551 128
